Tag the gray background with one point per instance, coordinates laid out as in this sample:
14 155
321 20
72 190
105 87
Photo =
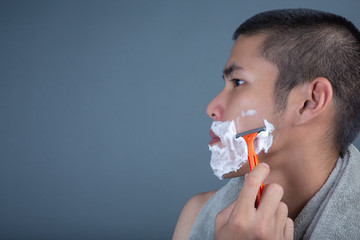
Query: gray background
103 130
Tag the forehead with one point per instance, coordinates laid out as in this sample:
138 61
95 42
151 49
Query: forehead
246 55
247 45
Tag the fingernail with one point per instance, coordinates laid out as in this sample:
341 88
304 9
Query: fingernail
267 165
246 175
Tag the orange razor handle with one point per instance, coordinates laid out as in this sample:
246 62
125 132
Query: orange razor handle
253 161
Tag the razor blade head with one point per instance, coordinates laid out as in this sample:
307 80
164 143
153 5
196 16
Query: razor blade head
250 131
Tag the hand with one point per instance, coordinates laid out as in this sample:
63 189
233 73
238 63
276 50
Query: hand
241 220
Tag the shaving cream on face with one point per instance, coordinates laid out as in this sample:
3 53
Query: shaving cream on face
264 139
233 153
248 113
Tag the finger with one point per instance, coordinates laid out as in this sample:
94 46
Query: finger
250 188
289 229
270 200
281 216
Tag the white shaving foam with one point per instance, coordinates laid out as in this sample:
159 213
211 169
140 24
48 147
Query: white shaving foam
233 152
264 139
248 113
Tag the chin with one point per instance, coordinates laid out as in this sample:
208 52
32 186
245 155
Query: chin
240 172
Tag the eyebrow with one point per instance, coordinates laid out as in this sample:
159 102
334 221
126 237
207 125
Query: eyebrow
230 69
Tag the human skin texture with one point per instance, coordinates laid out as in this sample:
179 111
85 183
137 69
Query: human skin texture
233 150
249 81
300 159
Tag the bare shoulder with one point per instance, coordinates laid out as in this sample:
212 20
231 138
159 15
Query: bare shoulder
189 214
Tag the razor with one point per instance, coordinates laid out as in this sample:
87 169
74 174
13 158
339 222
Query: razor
249 137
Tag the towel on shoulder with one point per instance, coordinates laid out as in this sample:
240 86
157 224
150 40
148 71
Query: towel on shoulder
333 212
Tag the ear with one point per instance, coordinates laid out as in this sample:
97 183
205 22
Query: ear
317 95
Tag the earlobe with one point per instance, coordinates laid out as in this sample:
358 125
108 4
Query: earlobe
317 95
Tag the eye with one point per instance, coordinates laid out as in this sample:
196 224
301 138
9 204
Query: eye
237 82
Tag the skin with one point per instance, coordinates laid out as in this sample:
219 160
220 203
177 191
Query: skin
298 163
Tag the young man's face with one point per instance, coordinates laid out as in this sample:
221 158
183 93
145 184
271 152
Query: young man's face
248 96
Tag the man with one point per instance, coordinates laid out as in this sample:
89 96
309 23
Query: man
300 70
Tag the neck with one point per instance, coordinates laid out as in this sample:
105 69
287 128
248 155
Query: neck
301 171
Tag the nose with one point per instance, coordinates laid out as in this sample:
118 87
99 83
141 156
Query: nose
216 108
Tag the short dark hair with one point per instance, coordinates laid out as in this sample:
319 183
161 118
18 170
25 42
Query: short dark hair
305 44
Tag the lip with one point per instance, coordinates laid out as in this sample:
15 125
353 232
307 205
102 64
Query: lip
214 138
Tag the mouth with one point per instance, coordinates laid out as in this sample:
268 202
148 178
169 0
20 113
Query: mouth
214 138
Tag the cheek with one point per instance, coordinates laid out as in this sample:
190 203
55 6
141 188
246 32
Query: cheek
249 114
246 105
250 97
262 104
237 104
